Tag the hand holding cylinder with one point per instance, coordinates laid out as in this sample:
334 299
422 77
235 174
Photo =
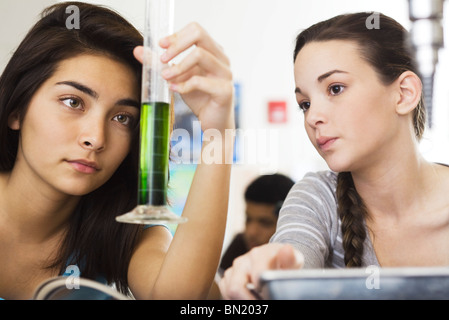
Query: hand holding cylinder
203 77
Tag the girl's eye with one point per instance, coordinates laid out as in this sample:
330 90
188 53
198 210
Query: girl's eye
71 102
124 119
304 106
336 89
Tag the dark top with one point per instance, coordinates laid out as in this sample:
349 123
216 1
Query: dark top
235 249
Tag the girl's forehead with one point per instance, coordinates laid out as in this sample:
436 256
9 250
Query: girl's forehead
318 58
97 72
87 63
328 52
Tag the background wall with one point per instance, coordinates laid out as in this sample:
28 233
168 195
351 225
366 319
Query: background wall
258 37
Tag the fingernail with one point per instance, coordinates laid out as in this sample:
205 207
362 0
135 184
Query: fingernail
164 42
164 57
166 73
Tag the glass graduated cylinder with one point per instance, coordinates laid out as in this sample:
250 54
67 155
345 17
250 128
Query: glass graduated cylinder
154 153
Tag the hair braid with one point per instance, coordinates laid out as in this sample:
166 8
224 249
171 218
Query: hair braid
352 213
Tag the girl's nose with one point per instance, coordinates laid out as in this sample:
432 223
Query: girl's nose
93 145
93 137
316 114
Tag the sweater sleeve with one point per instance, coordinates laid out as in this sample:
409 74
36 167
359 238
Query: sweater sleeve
308 219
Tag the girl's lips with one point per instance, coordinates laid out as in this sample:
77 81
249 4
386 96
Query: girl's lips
325 143
83 166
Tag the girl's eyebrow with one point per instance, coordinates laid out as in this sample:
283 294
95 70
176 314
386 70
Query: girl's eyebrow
128 102
80 87
322 77
328 74
94 94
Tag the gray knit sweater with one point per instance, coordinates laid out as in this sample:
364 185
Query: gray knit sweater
309 222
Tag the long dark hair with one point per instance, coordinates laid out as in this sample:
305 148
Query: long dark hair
386 51
94 241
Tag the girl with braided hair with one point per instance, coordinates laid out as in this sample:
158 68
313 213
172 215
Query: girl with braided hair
381 203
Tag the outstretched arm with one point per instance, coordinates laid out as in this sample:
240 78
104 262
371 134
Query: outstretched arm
185 268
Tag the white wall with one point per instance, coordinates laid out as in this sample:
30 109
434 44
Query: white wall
16 18
258 37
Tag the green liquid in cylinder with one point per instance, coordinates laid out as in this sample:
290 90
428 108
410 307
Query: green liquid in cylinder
154 153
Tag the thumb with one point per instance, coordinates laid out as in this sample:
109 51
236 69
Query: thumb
289 258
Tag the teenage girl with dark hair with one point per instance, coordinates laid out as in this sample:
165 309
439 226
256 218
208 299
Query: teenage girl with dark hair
69 115
382 203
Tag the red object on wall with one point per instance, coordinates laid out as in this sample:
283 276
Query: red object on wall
277 111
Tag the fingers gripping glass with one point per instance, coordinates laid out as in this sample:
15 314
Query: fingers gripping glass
152 204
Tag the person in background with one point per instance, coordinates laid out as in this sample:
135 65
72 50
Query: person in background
264 197
382 203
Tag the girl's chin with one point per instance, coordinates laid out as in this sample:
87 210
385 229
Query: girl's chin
338 167
79 190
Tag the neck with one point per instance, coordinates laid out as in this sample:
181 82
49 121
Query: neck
33 214
396 187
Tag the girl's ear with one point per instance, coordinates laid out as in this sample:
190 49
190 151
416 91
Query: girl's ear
14 121
410 88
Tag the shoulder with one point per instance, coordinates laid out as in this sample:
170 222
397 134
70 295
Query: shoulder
440 185
312 198
319 185
155 233
327 178
153 240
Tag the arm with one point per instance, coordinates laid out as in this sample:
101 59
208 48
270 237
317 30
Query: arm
302 239
308 220
185 268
